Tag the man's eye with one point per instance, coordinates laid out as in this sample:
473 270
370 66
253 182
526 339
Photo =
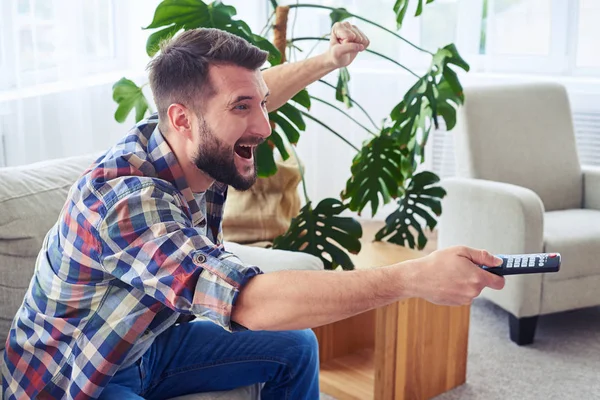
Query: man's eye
241 107
264 103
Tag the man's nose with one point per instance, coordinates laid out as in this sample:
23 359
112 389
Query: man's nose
262 126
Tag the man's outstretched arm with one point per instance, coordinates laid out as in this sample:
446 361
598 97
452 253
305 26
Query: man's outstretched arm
289 300
285 80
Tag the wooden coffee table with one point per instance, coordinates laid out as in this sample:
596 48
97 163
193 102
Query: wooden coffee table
410 349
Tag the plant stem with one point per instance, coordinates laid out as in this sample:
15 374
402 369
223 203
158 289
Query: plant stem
266 28
345 113
326 36
354 102
364 20
149 106
307 115
394 61
294 27
300 39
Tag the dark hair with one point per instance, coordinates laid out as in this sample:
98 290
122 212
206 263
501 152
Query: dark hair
179 72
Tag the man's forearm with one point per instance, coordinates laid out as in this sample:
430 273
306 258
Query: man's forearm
289 300
306 299
285 80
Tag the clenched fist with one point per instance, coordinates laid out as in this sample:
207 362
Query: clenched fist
345 43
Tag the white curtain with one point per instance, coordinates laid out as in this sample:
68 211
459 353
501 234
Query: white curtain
58 62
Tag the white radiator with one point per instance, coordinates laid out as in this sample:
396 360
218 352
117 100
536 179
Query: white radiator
587 133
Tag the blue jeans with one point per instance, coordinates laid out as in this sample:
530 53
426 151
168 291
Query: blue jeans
201 357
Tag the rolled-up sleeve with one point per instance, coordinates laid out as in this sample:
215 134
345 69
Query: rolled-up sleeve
148 241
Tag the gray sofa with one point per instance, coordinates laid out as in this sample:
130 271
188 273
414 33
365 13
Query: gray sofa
31 198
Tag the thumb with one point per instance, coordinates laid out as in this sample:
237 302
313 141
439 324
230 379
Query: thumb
482 257
345 48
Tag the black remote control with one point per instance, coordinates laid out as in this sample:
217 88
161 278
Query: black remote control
526 264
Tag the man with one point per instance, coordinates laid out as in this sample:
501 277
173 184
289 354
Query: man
136 252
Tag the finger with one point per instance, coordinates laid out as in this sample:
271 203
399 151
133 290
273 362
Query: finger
344 33
480 257
495 282
359 37
364 39
347 48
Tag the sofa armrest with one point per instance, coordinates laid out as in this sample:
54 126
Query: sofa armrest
503 219
271 260
498 217
591 187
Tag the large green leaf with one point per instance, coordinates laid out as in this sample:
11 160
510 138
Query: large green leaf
376 174
416 209
180 12
339 14
175 15
286 126
265 161
420 7
293 114
449 55
342 92
323 233
437 93
401 7
302 98
128 95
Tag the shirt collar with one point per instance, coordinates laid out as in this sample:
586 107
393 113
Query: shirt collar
167 167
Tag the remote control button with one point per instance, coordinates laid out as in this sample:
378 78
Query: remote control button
553 255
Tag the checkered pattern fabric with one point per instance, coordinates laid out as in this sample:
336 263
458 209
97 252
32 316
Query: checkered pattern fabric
131 252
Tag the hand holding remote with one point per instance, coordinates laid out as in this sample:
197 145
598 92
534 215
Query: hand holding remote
452 276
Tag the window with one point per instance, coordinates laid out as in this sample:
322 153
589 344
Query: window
517 27
58 62
52 40
587 34
98 30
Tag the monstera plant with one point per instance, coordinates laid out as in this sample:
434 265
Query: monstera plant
384 168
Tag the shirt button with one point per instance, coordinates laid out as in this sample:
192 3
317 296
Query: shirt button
199 258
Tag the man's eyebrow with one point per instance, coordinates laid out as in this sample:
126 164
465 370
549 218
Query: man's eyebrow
243 98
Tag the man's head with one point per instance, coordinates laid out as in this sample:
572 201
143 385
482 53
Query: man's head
211 99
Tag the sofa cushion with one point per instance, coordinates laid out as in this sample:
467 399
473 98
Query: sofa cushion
575 234
31 198
270 260
251 392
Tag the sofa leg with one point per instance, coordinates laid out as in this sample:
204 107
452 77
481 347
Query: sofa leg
522 330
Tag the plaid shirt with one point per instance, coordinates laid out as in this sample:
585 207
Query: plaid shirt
126 257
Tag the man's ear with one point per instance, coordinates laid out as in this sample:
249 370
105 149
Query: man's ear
180 120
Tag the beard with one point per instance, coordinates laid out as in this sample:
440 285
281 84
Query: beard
217 159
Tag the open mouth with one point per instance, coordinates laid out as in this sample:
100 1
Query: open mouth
243 151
